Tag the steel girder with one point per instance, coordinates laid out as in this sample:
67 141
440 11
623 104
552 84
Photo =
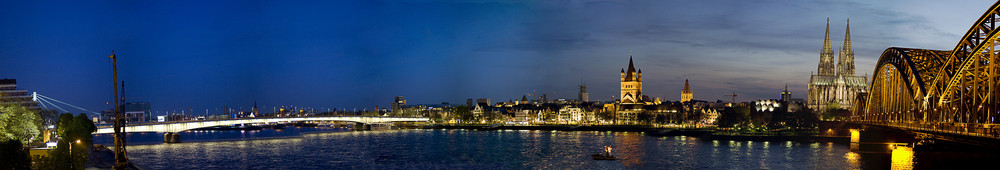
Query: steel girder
932 86
966 85
899 84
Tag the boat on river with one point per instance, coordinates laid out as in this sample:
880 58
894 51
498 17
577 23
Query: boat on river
603 157
606 156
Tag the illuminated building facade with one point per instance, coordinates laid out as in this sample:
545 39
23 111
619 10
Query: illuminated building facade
138 111
686 94
397 104
631 84
835 85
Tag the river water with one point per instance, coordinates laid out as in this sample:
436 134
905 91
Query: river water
329 148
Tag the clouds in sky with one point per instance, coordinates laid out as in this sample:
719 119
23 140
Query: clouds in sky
345 54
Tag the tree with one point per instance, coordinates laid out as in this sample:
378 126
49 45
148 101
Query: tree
13 155
833 105
75 131
804 118
695 115
463 113
606 115
662 119
436 117
834 111
644 117
733 116
492 117
19 123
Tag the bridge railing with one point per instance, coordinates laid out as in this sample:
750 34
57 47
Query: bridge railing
967 129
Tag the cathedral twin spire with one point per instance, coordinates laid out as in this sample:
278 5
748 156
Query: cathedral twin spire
826 55
845 62
845 65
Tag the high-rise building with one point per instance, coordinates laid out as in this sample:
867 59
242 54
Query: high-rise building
483 101
786 95
584 96
9 94
835 85
138 111
631 84
397 104
686 94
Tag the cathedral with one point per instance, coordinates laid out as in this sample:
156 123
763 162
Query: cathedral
835 85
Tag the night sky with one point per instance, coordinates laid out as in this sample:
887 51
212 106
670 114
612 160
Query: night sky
359 54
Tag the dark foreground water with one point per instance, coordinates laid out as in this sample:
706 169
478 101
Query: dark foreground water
305 148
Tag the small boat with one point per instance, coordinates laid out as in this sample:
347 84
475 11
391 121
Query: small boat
606 156
603 157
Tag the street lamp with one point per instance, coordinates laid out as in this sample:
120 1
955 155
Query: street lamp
71 153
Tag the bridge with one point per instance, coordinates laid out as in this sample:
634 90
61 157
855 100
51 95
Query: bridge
171 128
174 127
940 91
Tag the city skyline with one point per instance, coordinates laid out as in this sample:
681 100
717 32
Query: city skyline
228 53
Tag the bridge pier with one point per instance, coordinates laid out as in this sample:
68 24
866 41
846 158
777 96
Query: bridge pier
362 126
879 140
171 137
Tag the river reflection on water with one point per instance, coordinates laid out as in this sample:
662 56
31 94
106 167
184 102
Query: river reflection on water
507 149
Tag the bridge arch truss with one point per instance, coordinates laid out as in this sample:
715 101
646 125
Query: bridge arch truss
935 87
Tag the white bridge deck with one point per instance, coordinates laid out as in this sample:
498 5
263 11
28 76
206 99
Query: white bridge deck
187 125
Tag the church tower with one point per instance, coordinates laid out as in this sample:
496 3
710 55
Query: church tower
686 94
826 67
834 87
631 84
254 113
845 63
786 95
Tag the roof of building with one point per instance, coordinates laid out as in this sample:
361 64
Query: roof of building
687 89
8 81
631 70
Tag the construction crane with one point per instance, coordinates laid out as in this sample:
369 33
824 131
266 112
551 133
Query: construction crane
121 160
733 95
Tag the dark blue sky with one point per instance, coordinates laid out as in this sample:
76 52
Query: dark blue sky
347 54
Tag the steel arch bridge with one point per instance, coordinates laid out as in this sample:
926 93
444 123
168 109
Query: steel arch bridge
952 91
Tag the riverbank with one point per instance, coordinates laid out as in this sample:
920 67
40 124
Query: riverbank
707 133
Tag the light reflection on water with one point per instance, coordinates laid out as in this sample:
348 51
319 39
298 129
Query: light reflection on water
302 148
465 149
902 157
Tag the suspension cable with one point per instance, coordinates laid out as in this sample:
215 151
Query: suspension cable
74 106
